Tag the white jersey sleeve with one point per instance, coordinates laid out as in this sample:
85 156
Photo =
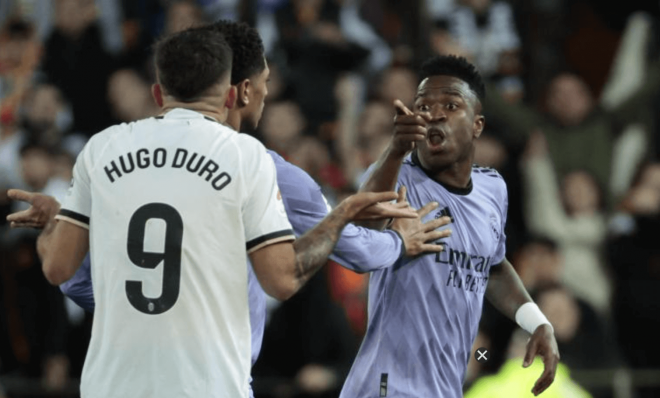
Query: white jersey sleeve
264 214
77 205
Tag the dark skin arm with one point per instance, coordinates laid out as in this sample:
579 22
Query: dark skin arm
507 293
408 128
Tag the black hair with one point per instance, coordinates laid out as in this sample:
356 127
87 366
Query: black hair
190 62
247 47
459 67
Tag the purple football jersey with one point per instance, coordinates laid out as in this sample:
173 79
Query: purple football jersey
424 312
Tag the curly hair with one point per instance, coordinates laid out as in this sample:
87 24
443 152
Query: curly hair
191 61
459 67
247 47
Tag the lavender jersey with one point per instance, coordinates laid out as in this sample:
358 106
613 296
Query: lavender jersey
360 249
424 312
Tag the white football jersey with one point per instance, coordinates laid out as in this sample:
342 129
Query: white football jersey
173 205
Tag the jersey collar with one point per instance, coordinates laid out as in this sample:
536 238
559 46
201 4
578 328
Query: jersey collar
455 190
182 113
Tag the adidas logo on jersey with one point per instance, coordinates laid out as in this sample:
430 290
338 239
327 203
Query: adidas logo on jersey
445 213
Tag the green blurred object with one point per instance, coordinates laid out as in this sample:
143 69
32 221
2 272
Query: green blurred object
514 381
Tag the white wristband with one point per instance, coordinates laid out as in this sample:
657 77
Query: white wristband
530 317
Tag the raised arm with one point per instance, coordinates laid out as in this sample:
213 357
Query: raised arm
383 175
543 207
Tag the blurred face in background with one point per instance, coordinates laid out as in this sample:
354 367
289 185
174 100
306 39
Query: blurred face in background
398 83
644 197
282 123
129 95
182 15
72 17
562 311
47 116
569 100
490 152
580 193
538 264
376 120
36 168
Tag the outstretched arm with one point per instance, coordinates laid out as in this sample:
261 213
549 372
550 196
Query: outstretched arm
283 268
507 293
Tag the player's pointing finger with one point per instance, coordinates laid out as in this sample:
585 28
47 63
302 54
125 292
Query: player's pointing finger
401 109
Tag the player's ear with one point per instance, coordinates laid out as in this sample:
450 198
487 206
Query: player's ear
231 98
479 124
157 93
243 92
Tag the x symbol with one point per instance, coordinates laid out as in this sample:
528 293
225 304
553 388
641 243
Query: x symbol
481 355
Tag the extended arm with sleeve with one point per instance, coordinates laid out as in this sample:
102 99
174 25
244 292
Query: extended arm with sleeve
359 249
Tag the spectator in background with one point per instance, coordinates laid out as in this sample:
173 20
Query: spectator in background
77 64
19 59
282 127
634 255
573 217
282 130
183 14
129 96
397 83
585 340
33 341
317 52
46 117
580 132
485 30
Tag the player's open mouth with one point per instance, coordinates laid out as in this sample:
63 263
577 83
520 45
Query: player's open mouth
436 138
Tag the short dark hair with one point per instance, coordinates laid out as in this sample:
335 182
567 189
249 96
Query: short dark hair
459 67
247 47
191 61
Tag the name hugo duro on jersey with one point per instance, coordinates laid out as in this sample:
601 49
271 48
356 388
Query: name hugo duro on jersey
192 162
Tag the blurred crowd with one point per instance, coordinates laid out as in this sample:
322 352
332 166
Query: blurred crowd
572 123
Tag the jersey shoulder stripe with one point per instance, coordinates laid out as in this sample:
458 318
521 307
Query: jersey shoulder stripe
489 171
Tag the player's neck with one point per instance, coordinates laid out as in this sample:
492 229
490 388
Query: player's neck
456 175
234 119
211 108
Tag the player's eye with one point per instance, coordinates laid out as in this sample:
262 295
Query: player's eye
452 106
423 108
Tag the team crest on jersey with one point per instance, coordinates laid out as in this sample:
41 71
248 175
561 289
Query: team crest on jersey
495 226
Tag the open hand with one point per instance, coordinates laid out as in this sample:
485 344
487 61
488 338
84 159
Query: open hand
43 208
369 206
543 343
416 234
